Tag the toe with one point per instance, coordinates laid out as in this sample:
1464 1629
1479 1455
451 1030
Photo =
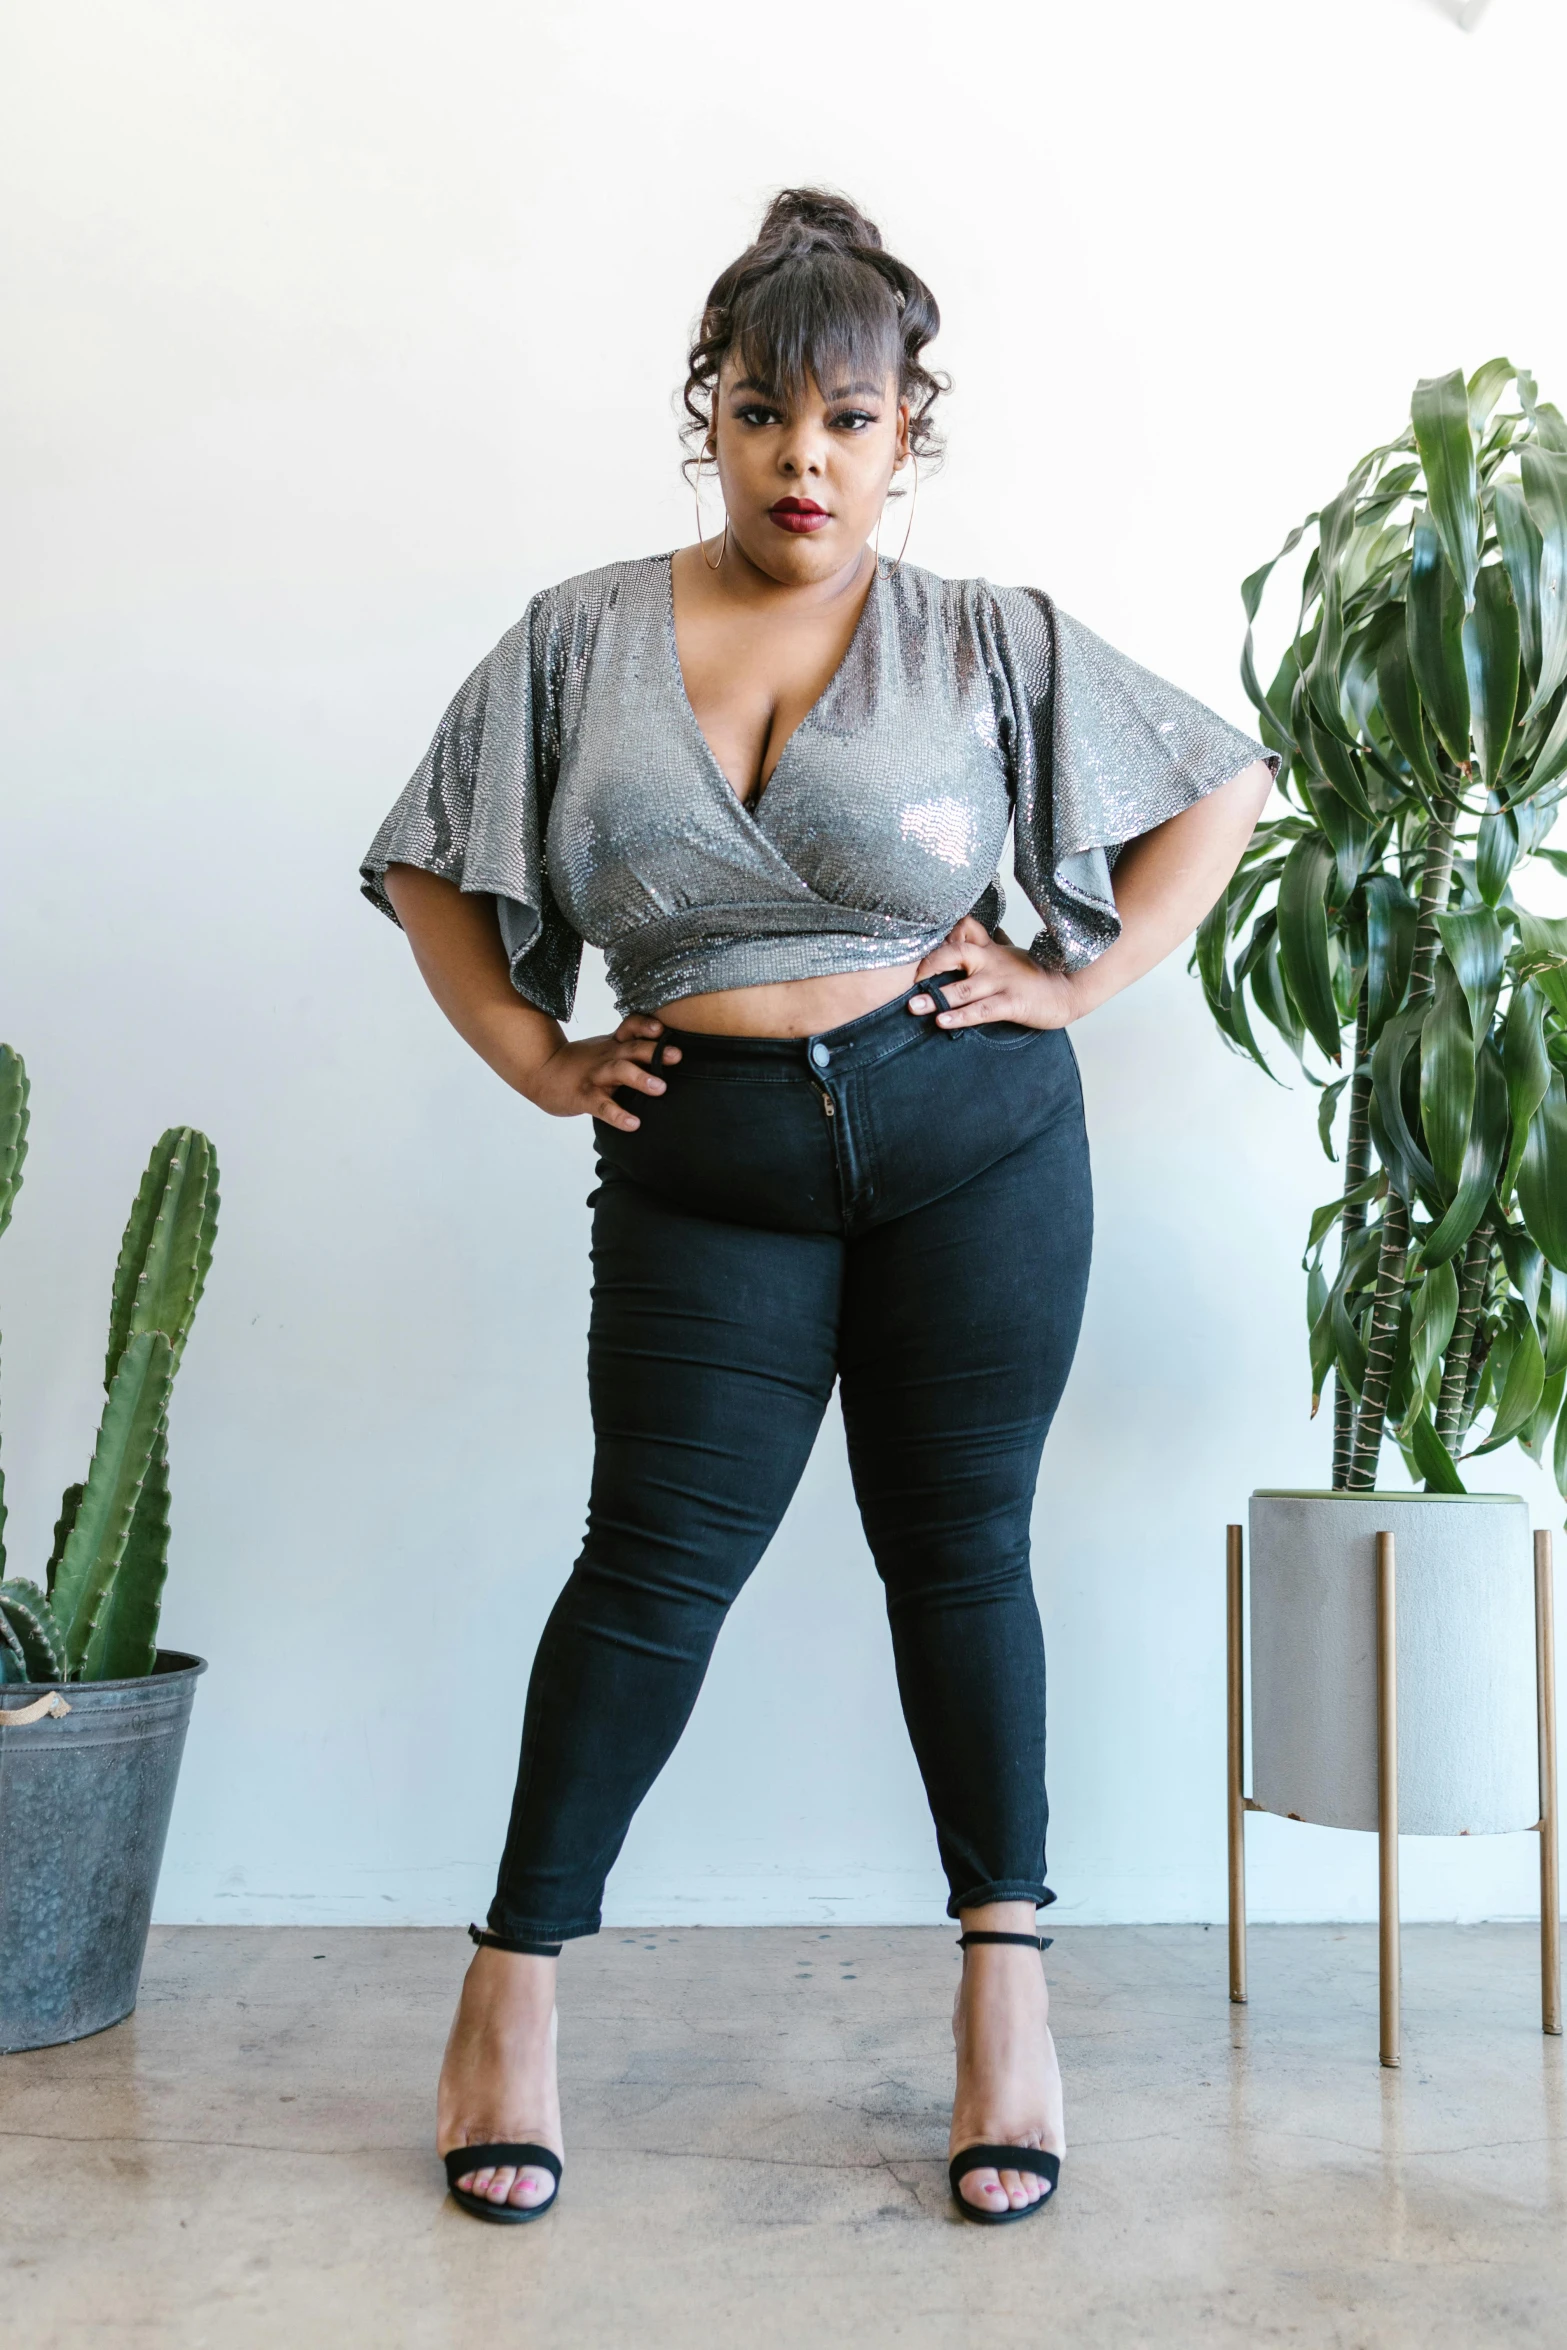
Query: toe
476 2182
984 2190
1013 2188
500 2185
533 2186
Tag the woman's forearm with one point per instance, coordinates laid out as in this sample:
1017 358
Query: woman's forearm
457 946
1167 881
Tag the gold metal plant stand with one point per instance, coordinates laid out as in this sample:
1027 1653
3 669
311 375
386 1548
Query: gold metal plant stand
1387 1784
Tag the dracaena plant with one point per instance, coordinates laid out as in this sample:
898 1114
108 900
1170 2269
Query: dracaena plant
1420 716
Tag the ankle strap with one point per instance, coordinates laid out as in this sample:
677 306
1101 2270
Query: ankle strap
483 1939
1024 1941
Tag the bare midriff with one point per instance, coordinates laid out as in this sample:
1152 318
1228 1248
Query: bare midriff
790 1007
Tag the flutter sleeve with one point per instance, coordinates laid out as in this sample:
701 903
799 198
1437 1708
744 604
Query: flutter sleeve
1101 752
476 809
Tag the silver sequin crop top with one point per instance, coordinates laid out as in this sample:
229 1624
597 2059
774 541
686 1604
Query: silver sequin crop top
570 780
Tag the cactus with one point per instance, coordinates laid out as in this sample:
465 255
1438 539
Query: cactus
32 1632
13 1150
124 1639
70 1503
167 1247
98 1619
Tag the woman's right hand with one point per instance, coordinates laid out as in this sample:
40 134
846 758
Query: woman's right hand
580 1080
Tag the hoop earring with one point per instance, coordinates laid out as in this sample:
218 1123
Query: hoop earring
908 526
696 496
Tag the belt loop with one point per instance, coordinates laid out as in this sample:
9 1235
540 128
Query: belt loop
932 988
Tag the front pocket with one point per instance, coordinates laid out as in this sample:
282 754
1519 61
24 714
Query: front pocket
1006 1034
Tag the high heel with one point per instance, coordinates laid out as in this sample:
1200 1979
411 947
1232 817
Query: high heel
518 2154
515 2154
1027 2158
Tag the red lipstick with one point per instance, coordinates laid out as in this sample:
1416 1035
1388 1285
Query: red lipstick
800 515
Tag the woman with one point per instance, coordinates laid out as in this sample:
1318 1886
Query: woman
839 1128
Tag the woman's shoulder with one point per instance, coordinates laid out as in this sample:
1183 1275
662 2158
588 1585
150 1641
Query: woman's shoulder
601 589
583 595
975 601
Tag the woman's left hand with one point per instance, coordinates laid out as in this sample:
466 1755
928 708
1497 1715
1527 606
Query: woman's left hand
1000 982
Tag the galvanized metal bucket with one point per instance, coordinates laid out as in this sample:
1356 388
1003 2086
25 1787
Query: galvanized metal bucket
87 1784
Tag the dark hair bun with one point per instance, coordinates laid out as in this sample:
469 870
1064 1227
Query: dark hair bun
816 287
810 216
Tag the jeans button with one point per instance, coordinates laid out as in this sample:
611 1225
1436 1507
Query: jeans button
820 1056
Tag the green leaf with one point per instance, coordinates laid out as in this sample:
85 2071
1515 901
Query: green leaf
1549 763
1273 712
1261 967
1432 1458
1321 674
1486 386
1325 1113
1391 916
1431 1324
1434 622
1445 439
1477 947
1490 641
1349 1352
1528 1068
1536 1438
1333 764
1555 1341
1520 1394
1319 1323
1482 1159
1408 1168
1520 544
1331 1212
128 1433
1525 1265
1545 493
1543 956
1354 839
1496 853
1447 1076
1559 1456
1303 939
1401 707
1542 1174
35 1634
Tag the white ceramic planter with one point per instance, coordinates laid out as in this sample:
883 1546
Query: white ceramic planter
1467 1762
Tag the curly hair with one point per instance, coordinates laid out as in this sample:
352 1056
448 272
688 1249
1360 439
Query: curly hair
816 293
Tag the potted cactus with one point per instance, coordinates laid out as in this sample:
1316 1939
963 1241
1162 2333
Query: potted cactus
92 1713
1420 715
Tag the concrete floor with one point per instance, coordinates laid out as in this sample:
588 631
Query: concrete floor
756 2128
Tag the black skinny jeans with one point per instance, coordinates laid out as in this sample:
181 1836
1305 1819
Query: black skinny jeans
900 1207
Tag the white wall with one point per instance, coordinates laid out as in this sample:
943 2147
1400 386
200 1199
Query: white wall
336 330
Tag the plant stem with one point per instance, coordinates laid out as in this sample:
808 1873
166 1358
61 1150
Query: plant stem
1454 1392
1482 1348
1436 887
1392 1263
1357 1166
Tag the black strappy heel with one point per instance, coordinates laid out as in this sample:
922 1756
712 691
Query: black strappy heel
519 2154
515 2154
1030 2158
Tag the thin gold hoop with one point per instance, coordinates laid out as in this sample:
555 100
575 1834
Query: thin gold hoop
696 497
908 526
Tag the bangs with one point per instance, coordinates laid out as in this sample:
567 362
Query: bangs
822 316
